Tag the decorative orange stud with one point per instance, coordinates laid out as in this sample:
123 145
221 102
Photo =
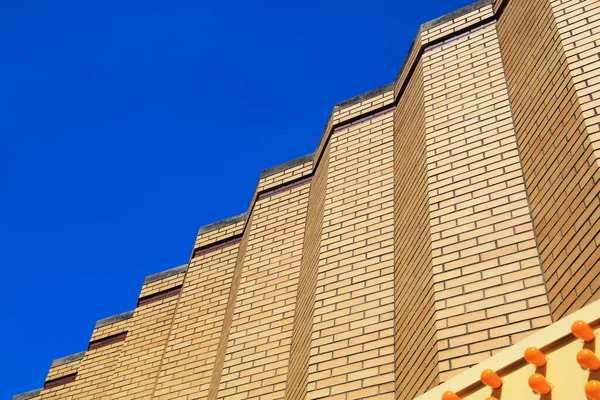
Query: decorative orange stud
534 356
592 390
539 383
490 378
587 359
450 396
582 330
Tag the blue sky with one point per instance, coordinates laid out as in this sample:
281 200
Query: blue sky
127 125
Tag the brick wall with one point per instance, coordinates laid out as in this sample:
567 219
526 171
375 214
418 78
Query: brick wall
352 344
307 285
415 340
94 371
189 359
559 165
442 218
485 258
260 337
134 373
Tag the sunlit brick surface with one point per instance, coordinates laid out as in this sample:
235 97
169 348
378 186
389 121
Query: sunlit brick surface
443 218
352 346
188 363
485 259
261 331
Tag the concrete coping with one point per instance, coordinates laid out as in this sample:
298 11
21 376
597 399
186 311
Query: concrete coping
423 27
364 96
287 165
165 274
114 318
27 395
455 14
67 359
222 223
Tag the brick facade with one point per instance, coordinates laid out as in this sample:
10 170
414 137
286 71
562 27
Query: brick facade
442 218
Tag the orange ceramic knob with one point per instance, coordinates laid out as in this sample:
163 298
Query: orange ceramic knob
592 390
490 378
587 359
534 356
491 398
450 396
539 383
582 330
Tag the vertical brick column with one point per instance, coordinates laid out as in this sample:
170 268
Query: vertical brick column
415 341
221 350
135 374
578 25
489 287
189 360
556 138
353 331
568 218
307 285
259 341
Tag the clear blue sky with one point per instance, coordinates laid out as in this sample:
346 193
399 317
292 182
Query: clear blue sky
126 125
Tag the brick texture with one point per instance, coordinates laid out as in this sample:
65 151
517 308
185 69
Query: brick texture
94 371
303 322
485 257
559 165
257 356
442 218
190 354
415 340
352 353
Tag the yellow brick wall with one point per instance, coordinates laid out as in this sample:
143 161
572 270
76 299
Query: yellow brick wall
216 235
134 375
307 285
415 340
257 356
289 174
442 218
559 166
353 331
578 24
368 105
94 372
229 313
162 284
62 370
489 288
189 359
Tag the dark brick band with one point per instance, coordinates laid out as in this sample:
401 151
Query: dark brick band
287 186
63 380
365 117
158 296
199 251
107 341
